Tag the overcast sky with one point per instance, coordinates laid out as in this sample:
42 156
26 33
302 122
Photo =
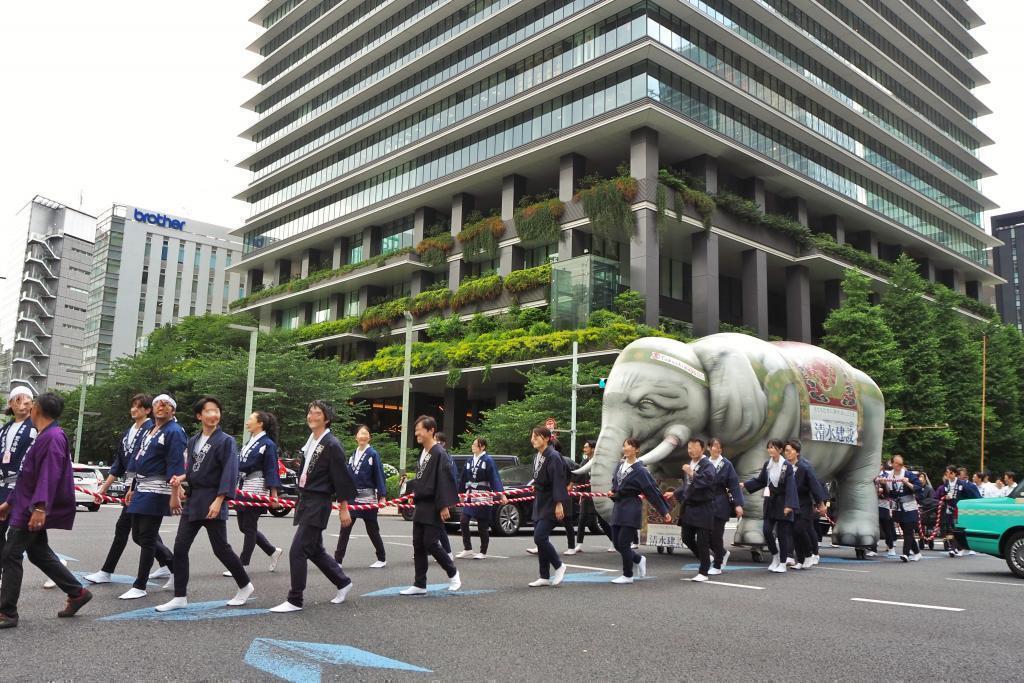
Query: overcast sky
138 102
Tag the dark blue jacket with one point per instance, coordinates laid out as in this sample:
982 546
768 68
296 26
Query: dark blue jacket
809 490
162 458
126 449
629 509
434 487
24 438
368 473
260 455
777 498
727 483
697 496
484 478
210 471
550 479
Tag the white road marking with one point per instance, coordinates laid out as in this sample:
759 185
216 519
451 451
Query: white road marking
734 585
407 545
909 604
837 569
583 566
996 583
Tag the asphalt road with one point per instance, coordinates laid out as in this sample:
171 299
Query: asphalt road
800 625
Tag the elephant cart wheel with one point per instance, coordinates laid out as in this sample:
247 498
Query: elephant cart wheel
670 550
755 555
661 550
861 554
1014 554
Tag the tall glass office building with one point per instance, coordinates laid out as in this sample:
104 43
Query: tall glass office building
382 122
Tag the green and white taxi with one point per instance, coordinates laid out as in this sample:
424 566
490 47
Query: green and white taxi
995 526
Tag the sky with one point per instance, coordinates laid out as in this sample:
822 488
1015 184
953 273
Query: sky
137 102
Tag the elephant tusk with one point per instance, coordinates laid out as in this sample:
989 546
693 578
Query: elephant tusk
585 467
661 451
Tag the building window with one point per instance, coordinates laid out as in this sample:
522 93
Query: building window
538 256
397 235
673 279
480 268
291 318
321 310
355 250
163 250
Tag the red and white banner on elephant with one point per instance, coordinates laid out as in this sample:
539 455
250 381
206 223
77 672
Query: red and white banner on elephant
828 396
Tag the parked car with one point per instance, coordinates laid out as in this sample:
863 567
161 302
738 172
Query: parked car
289 489
995 526
513 516
88 477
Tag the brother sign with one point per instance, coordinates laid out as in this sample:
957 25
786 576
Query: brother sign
159 219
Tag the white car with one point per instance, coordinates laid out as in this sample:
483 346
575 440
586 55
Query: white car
88 477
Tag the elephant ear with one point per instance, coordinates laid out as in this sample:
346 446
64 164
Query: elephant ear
738 403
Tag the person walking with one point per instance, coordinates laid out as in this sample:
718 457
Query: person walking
480 481
550 495
588 512
259 475
371 489
16 436
778 480
727 502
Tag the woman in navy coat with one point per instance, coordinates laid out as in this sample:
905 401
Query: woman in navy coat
371 488
632 479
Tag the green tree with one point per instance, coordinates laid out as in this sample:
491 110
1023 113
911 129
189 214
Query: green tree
959 348
922 401
858 333
547 394
1004 428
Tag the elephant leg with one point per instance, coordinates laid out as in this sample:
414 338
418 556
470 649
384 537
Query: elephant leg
857 523
749 530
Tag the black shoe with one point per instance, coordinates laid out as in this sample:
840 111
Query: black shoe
75 604
8 622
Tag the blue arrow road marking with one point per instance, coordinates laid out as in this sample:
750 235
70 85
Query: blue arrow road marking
299 662
596 577
197 611
728 568
114 578
66 558
434 590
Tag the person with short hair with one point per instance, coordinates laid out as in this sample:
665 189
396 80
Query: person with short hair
371 488
209 481
778 480
325 478
1009 482
140 409
812 498
43 498
955 488
696 500
901 486
550 495
16 436
159 459
728 501
588 511
258 474
480 481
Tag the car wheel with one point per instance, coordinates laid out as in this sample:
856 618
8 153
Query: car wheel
93 507
407 514
508 520
280 512
1014 554
755 555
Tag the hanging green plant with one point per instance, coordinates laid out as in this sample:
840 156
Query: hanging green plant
477 290
480 237
434 250
521 281
702 202
608 204
433 299
381 316
538 223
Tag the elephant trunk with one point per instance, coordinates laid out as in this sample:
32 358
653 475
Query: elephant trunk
607 454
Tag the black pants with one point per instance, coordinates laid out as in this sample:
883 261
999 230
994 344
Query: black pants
805 536
248 524
426 538
372 530
717 541
308 544
622 537
887 528
122 532
907 520
948 524
446 543
699 542
570 530
588 513
3 537
547 556
778 536
146 534
483 527
217 532
36 545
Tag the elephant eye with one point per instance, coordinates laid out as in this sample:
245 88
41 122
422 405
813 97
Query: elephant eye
648 407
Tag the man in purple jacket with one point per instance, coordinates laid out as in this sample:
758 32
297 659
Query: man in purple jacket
43 498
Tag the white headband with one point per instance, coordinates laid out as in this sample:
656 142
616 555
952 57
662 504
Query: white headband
19 391
166 399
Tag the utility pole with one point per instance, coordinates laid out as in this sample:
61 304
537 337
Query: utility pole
406 380
572 419
250 379
984 373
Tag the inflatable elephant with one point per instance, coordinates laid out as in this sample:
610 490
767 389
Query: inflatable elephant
745 391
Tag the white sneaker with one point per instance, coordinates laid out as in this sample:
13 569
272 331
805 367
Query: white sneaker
642 567
379 564
780 568
816 558
891 553
342 594
904 558
284 608
173 604
242 596
132 594
808 563
226 573
169 586
274 558
871 553
160 573
455 583
960 553
558 576
725 559
622 580
915 557
464 553
532 551
572 551
714 572
798 565
413 590
790 561
700 578
969 552
98 577
611 549
537 583
480 556
774 564
634 546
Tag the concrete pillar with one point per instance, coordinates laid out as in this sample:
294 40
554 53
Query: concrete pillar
510 258
644 263
371 241
337 304
834 295
570 244
366 294
305 314
462 205
798 304
424 218
926 268
833 225
705 168
266 319
959 282
254 280
280 272
513 187
973 289
454 422
865 241
419 281
755 291
704 283
310 262
643 153
571 167
339 252
507 391
753 189
797 209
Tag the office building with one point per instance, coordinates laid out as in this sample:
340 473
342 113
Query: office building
1008 259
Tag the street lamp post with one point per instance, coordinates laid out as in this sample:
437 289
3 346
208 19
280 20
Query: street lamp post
81 413
250 379
404 449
